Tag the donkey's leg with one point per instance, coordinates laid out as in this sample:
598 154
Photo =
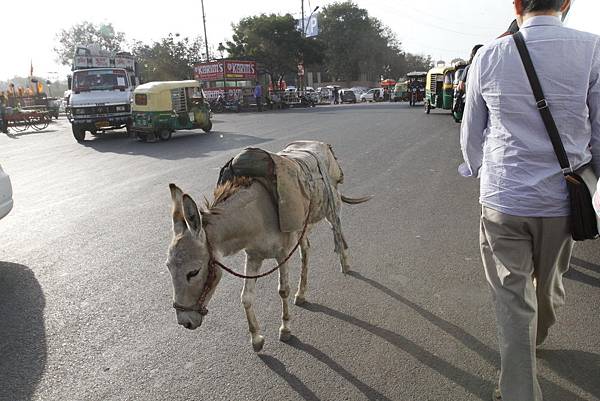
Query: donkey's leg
284 293
300 297
248 298
340 242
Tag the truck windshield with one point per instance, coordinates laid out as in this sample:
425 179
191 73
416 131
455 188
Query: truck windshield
99 80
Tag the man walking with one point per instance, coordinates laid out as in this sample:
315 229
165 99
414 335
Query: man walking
525 237
258 96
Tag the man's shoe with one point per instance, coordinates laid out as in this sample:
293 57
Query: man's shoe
496 396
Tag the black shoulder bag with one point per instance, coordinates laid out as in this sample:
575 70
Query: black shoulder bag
580 182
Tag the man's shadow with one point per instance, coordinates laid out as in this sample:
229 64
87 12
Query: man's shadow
22 334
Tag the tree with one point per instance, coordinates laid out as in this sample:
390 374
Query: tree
274 42
169 58
103 36
357 45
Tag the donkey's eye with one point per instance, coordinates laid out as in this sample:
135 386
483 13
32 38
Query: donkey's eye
192 274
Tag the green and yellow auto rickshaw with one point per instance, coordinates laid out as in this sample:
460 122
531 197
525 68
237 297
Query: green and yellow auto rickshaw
161 108
439 90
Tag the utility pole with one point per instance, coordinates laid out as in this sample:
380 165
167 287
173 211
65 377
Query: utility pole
303 32
302 55
205 38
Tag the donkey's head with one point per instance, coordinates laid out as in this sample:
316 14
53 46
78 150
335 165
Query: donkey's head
194 280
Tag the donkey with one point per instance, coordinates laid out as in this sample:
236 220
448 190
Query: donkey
242 216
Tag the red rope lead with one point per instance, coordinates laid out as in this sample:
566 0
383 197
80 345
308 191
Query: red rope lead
234 273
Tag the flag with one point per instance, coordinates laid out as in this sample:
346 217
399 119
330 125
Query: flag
31 69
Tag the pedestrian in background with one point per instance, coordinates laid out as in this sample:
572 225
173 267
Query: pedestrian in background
525 236
258 96
336 95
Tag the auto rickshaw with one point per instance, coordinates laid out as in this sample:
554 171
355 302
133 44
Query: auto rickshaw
439 91
161 108
415 86
400 93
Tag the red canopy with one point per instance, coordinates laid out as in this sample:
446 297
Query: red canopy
388 82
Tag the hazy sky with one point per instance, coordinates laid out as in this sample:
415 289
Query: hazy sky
444 29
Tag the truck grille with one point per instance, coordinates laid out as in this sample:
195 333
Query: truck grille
125 108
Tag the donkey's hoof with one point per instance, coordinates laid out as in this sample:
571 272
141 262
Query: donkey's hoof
285 335
299 300
345 269
258 342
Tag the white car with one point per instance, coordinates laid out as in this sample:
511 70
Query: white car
6 201
370 96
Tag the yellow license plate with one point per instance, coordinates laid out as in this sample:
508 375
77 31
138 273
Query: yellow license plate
102 124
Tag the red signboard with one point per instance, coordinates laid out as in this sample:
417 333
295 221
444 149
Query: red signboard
240 69
228 69
209 71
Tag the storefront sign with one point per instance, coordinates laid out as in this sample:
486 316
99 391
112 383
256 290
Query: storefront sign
232 93
228 69
209 71
240 69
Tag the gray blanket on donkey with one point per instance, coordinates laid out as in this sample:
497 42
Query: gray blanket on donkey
305 174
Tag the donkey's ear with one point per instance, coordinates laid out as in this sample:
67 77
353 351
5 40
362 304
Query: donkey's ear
179 225
192 216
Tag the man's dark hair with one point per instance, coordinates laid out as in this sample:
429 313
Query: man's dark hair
474 52
541 5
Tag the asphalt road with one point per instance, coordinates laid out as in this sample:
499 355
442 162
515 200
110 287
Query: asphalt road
85 298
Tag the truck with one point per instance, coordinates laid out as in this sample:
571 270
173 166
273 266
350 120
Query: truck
101 89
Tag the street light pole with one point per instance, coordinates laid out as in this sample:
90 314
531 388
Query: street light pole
205 38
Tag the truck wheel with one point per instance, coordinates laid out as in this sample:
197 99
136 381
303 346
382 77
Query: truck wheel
208 127
78 133
164 134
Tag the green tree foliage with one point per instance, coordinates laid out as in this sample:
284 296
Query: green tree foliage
274 42
103 35
357 44
168 59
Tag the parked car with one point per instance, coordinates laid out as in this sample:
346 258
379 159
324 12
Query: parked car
347 96
372 95
358 91
6 200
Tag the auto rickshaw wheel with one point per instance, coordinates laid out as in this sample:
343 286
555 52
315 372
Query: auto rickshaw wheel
165 134
78 133
208 127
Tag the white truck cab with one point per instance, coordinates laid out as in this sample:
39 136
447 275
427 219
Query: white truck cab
101 92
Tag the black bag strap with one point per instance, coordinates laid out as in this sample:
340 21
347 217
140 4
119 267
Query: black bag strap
542 105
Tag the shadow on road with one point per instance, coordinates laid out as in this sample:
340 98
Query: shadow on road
552 391
368 391
22 334
182 144
279 368
17 135
575 272
471 383
579 367
460 334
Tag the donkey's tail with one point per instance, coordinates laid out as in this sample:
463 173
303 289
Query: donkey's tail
356 201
